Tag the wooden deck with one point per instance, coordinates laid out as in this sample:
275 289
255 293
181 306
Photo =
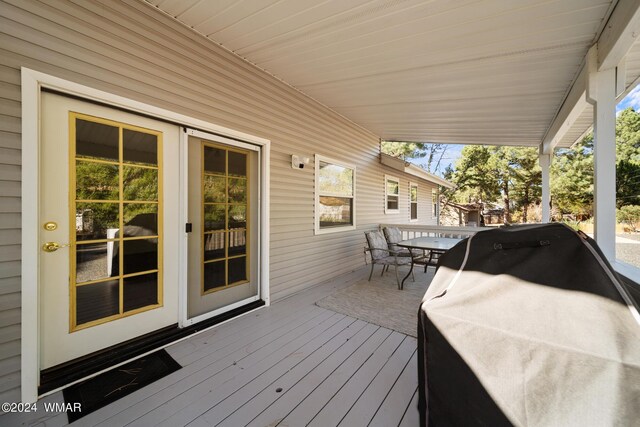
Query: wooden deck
291 364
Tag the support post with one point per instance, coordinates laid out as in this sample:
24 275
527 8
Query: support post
545 163
601 92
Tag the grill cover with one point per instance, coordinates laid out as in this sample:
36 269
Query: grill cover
528 325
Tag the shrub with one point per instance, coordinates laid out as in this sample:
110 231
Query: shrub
629 215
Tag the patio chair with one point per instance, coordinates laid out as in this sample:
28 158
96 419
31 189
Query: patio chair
394 236
381 254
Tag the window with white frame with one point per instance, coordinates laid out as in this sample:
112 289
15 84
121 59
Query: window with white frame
413 201
434 201
392 194
335 196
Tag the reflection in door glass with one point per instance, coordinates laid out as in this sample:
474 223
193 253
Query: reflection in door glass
214 275
96 140
96 181
140 291
116 248
214 245
140 183
93 261
225 200
95 221
237 270
96 301
215 160
140 147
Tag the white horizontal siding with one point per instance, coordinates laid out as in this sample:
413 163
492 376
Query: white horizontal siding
132 50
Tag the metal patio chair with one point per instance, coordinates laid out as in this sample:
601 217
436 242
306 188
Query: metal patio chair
381 254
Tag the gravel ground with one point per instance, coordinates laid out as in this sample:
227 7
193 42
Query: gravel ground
629 252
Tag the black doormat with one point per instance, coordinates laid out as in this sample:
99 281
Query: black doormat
112 385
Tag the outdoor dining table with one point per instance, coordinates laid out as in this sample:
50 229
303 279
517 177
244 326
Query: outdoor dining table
435 245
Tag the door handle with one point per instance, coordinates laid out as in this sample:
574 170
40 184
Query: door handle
53 246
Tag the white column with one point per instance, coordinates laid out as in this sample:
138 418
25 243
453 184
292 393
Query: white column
604 135
545 163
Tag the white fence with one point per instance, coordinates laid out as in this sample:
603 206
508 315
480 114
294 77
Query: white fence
409 231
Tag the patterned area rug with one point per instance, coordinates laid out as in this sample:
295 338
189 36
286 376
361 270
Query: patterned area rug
380 302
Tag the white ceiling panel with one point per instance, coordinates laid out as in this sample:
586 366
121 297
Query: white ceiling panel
465 71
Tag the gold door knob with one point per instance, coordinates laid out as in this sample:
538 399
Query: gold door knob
53 246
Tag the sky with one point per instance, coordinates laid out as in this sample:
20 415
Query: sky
454 150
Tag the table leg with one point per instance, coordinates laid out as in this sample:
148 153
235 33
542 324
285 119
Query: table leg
408 274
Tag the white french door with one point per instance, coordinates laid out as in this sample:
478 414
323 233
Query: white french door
223 215
108 210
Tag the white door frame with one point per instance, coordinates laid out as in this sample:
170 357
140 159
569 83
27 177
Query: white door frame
32 84
184 211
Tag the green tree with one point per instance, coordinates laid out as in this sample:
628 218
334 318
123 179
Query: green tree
628 136
527 179
629 215
491 173
627 183
572 179
432 153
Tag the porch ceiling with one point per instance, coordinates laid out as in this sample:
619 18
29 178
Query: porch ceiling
492 72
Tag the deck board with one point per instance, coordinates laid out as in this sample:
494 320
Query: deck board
239 403
280 361
210 389
307 379
397 401
182 381
332 369
362 412
313 403
412 415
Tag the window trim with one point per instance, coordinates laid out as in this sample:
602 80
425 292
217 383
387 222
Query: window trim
386 195
316 217
435 204
411 185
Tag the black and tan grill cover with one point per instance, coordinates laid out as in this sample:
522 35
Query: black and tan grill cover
528 325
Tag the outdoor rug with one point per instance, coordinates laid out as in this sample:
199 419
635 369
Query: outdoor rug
380 302
110 386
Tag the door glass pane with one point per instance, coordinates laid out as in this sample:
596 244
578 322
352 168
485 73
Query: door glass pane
237 270
237 216
93 261
215 160
140 183
214 245
222 203
96 140
140 219
237 164
96 181
123 226
237 242
97 300
140 255
214 217
214 275
96 221
140 291
139 147
215 189
237 190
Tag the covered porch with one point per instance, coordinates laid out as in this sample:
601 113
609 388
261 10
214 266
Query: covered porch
309 80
